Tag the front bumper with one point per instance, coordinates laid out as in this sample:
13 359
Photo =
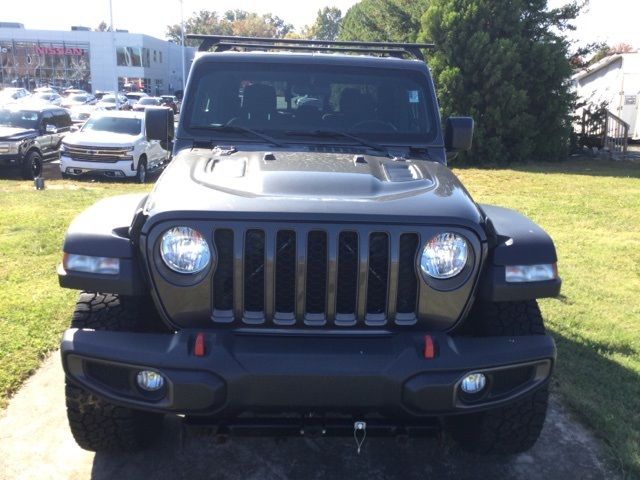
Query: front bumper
119 169
10 159
382 373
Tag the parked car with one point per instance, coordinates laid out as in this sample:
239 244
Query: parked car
74 91
112 144
310 268
172 102
48 97
145 102
134 97
46 89
30 135
100 93
81 113
108 102
15 92
78 99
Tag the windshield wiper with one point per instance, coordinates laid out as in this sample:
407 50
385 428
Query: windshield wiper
336 133
238 129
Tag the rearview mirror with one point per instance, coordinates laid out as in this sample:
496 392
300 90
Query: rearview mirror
458 134
50 129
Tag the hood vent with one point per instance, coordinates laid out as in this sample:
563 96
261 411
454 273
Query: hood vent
226 167
401 172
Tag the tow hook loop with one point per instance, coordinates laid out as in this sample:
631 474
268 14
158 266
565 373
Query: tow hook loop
359 433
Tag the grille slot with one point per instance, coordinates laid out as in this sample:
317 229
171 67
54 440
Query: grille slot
407 280
316 288
356 277
347 279
254 276
223 278
285 283
378 278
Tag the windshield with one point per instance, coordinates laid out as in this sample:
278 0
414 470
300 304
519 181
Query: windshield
108 99
78 98
384 105
128 126
19 118
148 101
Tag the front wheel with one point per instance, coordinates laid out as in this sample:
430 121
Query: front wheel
513 428
141 172
31 166
98 425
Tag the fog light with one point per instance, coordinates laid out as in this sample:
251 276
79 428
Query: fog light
473 383
150 381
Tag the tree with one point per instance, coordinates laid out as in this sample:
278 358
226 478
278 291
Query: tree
605 51
103 27
204 22
383 20
232 22
505 63
326 26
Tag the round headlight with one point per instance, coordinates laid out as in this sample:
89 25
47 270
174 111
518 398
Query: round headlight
444 256
184 250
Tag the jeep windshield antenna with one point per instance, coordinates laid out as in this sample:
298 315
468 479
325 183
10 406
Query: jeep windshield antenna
221 43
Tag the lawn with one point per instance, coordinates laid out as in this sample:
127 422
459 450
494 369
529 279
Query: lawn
591 209
33 308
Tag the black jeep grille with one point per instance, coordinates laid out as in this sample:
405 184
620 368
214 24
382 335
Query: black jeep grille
349 277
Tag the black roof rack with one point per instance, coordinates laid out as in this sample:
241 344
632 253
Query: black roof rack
220 43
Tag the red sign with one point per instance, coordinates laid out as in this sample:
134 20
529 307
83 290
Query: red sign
59 51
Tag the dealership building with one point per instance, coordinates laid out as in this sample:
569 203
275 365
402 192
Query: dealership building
90 60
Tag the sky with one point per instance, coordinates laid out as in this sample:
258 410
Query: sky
612 21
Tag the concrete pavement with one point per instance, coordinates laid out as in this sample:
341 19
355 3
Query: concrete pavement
35 443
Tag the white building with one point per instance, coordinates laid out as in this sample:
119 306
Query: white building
91 60
614 80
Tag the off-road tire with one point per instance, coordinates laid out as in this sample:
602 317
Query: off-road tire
31 166
513 428
96 424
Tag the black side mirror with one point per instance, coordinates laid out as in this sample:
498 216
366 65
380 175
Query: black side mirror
159 125
458 134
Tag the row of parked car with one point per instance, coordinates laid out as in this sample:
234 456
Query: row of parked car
106 142
101 100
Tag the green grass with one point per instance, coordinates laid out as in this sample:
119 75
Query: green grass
591 209
34 310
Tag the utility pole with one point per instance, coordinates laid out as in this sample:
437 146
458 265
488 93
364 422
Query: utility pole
184 69
115 54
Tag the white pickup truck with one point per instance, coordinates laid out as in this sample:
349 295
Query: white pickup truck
113 144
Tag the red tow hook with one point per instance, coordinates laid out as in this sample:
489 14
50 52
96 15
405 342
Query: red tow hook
198 345
429 347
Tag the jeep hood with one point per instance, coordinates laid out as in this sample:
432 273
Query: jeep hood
8 134
90 138
309 185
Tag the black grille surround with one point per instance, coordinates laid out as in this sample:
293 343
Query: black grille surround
311 276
